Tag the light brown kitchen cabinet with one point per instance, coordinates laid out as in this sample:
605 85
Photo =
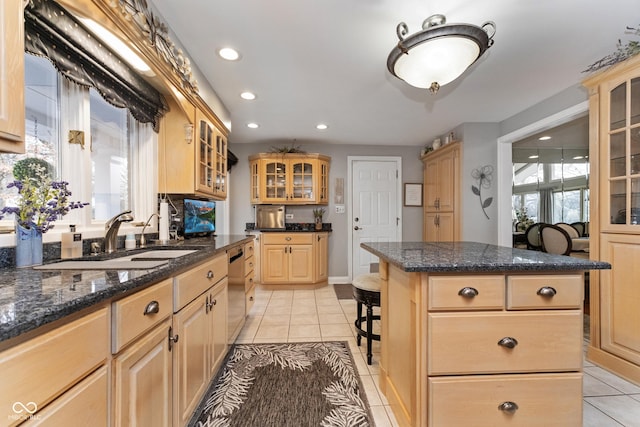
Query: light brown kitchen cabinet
287 258
39 372
199 335
142 363
614 229
321 250
249 278
441 220
195 165
525 331
289 178
143 380
12 77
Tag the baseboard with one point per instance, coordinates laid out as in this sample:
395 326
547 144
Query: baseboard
339 279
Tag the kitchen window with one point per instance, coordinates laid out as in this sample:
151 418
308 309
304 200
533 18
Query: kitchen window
101 171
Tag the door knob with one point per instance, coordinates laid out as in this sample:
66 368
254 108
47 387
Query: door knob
357 228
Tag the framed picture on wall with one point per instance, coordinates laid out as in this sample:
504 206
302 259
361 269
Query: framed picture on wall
412 194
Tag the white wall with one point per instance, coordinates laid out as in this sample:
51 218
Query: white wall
241 210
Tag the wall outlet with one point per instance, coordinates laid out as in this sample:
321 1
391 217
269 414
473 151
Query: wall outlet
288 216
340 209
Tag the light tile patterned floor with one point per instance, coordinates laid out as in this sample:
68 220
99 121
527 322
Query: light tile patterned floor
317 315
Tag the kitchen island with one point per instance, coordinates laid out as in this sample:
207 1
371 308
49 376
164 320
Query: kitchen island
483 335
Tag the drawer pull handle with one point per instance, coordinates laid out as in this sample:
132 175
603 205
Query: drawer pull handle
250 298
209 274
508 342
508 407
468 292
172 338
152 308
546 291
288 239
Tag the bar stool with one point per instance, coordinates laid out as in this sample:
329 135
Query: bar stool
366 290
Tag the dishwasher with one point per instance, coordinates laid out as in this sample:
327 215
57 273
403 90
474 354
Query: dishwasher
236 294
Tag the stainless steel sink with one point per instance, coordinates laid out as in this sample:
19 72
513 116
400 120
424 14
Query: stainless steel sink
139 261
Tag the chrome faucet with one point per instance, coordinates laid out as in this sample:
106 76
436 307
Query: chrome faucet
111 230
143 241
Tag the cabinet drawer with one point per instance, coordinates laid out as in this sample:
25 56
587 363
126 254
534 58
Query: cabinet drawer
542 400
250 299
287 238
249 265
187 286
249 248
248 281
482 293
42 368
83 405
140 312
467 343
545 292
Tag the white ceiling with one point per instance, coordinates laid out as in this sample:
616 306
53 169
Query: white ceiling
313 61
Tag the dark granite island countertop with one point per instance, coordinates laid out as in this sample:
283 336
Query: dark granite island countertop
474 257
32 298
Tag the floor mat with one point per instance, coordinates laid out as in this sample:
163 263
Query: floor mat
289 384
343 291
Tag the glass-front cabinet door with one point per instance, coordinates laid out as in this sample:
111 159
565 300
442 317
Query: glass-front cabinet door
274 174
323 186
220 188
204 163
624 153
302 188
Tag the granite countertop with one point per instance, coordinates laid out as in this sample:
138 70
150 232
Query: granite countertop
32 298
296 227
474 257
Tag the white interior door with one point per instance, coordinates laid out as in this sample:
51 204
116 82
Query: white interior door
375 210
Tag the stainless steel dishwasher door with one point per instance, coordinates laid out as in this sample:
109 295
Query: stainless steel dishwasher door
236 294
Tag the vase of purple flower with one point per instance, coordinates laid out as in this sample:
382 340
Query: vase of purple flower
41 202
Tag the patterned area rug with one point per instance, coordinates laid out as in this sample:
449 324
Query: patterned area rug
291 384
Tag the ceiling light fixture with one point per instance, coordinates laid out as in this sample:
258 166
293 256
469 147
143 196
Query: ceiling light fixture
321 126
249 96
229 54
438 54
252 125
544 138
533 156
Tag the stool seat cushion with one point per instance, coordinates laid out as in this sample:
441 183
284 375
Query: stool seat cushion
367 282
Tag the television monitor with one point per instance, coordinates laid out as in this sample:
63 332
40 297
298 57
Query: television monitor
199 217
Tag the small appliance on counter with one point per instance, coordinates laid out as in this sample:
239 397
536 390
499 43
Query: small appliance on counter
270 217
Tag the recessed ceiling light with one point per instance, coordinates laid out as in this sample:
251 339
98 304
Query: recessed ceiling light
544 138
252 125
321 126
229 54
249 96
534 156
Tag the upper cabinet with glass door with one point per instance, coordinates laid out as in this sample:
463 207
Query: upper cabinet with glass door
292 178
211 159
619 150
12 77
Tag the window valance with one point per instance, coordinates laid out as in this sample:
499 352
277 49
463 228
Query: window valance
51 31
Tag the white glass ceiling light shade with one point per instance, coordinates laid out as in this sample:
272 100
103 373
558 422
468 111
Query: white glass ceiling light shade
438 54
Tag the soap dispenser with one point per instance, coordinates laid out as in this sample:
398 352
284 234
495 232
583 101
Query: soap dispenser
71 243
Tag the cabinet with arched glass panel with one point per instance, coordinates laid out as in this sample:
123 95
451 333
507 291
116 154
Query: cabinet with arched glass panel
289 178
614 107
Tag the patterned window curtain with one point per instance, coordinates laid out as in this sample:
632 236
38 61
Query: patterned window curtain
54 33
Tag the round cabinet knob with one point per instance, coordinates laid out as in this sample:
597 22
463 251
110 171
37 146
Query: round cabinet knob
288 239
468 292
508 407
508 342
546 291
209 274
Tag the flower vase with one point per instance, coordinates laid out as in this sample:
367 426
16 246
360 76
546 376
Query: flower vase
28 246
318 223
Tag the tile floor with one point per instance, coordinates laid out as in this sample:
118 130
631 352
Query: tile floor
317 315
